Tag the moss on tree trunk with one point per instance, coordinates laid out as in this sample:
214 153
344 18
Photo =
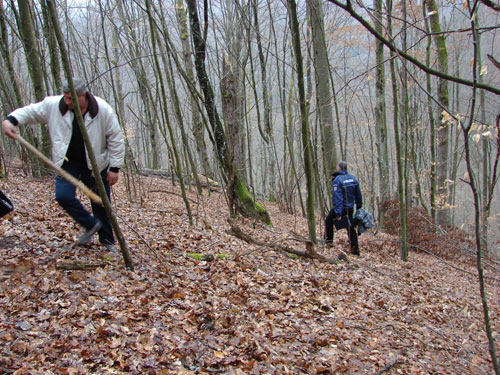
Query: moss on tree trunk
243 203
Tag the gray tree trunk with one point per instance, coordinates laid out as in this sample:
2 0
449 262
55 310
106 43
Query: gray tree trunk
239 198
400 143
324 93
380 115
442 134
306 136
33 61
198 126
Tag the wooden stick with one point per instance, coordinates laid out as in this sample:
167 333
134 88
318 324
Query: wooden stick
89 193
77 266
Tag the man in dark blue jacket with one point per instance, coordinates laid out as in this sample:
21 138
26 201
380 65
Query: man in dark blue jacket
345 193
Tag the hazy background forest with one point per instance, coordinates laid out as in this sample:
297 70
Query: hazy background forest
398 125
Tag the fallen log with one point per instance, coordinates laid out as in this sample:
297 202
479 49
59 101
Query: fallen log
78 266
309 252
205 181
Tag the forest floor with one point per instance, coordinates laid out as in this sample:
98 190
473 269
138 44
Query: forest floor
250 310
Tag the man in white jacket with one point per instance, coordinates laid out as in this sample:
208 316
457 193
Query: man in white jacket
69 152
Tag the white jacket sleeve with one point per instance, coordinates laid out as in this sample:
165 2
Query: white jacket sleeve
114 139
33 113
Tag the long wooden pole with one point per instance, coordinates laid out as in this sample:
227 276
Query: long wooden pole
89 193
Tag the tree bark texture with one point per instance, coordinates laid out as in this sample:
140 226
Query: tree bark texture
239 198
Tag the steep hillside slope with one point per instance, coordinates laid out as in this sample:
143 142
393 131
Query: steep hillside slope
250 310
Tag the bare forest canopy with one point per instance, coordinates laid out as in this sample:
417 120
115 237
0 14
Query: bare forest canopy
410 90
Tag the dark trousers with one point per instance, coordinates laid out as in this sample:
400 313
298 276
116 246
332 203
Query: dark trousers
66 197
353 236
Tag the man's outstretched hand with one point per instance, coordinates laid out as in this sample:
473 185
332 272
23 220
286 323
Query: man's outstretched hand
9 129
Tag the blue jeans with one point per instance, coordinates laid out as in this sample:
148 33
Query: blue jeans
66 197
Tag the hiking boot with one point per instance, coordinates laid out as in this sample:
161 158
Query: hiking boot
110 247
326 243
87 236
355 252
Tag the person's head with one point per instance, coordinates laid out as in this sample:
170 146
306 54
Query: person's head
342 166
81 92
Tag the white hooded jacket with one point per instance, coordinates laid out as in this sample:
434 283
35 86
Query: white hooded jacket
101 123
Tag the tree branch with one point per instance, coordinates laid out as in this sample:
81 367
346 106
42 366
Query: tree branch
348 8
308 253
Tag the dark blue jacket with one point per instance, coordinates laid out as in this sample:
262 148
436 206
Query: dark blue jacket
345 192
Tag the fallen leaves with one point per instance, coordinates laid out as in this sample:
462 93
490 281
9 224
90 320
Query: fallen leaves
243 310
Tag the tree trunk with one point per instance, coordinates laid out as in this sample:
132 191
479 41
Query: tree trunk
198 126
323 91
442 136
485 164
239 198
166 56
268 137
231 113
400 146
130 164
380 115
55 59
306 137
26 29
149 119
7 58
176 162
432 126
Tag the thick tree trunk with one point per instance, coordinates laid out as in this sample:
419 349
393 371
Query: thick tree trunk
240 201
198 126
26 29
380 115
323 91
400 143
442 134
232 114
306 137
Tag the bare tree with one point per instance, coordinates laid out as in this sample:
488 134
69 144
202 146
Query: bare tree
240 200
324 93
196 118
306 137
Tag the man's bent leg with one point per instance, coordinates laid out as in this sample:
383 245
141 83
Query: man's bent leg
106 231
66 197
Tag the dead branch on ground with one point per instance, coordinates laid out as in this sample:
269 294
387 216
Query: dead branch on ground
78 266
309 252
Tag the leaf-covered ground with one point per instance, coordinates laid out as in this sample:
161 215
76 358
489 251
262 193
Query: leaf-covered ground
251 310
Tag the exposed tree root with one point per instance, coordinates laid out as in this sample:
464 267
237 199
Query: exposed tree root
309 252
